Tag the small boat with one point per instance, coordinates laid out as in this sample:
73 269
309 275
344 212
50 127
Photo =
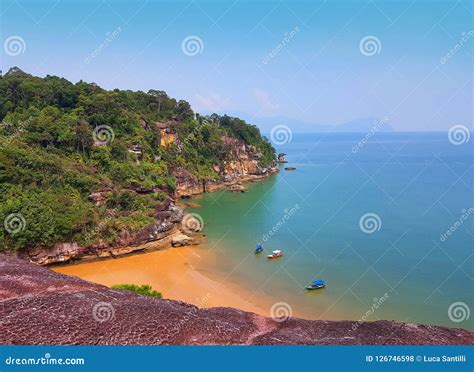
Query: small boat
275 254
316 284
258 248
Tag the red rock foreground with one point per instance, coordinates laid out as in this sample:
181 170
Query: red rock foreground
39 306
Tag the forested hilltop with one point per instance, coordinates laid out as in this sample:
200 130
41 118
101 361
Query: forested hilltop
79 163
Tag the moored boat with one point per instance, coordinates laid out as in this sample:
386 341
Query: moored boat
258 248
275 254
316 284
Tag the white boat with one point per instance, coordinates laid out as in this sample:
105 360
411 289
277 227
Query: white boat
275 254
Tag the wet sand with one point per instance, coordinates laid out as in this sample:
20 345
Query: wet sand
178 273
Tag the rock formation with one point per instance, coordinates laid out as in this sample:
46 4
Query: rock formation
244 167
180 240
99 196
167 133
237 188
281 158
41 307
160 233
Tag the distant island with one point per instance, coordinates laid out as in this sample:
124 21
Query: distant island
87 172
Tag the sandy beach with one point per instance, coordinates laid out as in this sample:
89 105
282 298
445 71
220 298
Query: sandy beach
178 273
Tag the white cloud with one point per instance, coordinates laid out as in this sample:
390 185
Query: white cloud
213 102
266 106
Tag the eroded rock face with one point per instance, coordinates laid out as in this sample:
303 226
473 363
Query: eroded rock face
187 185
244 167
99 197
167 224
41 307
61 252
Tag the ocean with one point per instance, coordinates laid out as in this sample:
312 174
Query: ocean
387 223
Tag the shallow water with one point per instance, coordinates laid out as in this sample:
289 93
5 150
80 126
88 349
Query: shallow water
417 185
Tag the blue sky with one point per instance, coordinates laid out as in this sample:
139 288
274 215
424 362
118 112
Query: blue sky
319 74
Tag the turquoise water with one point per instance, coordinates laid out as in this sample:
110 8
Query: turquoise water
418 186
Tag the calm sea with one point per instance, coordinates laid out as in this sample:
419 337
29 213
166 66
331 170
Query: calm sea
372 220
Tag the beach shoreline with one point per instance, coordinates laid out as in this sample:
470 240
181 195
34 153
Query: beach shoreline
179 273
186 273
79 312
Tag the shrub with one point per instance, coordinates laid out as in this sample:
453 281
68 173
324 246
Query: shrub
144 289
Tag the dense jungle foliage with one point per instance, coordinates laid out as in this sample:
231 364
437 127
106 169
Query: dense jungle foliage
60 141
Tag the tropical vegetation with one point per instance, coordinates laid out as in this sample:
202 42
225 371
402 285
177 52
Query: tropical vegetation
144 289
60 141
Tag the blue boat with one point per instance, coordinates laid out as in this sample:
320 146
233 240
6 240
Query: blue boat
258 248
316 284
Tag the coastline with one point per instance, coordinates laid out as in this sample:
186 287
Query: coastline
177 272
185 273
157 235
79 312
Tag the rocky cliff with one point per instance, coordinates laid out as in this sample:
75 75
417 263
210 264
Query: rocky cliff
243 167
158 234
39 306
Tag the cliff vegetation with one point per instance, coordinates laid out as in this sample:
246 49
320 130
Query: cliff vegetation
82 164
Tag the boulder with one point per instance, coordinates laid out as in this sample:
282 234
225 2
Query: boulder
153 231
237 188
180 240
281 158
